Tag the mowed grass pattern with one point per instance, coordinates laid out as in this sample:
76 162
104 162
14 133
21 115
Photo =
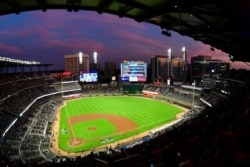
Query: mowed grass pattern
147 113
81 132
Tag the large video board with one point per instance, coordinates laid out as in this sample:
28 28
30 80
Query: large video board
88 77
133 71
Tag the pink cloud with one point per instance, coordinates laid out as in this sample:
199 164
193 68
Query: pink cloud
10 49
73 45
139 39
240 65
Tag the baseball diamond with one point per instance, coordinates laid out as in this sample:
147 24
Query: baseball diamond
90 123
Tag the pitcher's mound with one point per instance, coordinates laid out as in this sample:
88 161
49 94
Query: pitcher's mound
92 128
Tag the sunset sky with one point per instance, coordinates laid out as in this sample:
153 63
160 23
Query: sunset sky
48 36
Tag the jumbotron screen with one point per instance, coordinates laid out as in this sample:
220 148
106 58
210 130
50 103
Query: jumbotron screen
133 71
88 77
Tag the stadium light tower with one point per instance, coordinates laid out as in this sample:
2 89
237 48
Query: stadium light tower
169 60
95 57
79 62
184 53
184 63
80 57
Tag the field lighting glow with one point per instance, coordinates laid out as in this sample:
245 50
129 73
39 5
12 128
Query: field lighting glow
95 57
80 57
169 54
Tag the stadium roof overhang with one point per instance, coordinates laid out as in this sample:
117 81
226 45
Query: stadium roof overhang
223 24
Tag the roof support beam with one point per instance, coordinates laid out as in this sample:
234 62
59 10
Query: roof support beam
73 5
103 6
16 6
135 4
42 4
124 10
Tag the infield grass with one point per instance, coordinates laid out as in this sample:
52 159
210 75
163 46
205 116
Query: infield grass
147 113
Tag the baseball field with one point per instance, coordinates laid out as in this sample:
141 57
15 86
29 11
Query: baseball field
91 122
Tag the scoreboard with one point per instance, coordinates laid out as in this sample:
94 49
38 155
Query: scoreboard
133 71
88 77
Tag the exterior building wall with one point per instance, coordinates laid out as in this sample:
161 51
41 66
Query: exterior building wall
72 63
109 68
160 68
203 71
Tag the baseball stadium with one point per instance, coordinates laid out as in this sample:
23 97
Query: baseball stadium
96 124
139 116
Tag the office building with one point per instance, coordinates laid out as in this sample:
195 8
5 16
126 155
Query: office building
109 68
177 70
205 70
76 63
95 67
160 68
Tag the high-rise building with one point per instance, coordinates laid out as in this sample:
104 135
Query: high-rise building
168 68
110 68
201 58
76 63
177 68
95 67
204 70
160 68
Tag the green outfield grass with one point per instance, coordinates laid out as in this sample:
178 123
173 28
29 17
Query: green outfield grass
147 113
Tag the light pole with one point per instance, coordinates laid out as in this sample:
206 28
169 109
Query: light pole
95 61
184 53
169 61
79 63
193 94
95 57
184 64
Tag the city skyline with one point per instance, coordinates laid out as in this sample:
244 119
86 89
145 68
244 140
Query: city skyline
48 36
